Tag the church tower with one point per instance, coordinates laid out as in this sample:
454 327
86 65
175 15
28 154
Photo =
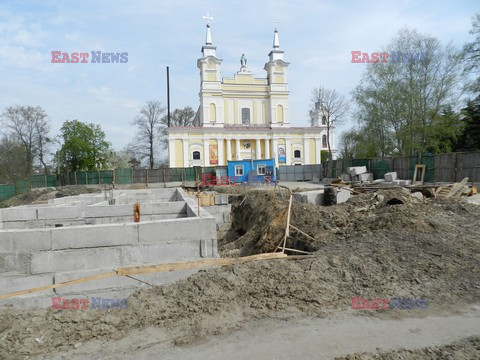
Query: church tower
211 104
277 81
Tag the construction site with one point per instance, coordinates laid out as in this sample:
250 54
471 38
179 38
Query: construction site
345 268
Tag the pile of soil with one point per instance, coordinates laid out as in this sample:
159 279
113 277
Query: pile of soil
259 220
464 349
42 195
371 247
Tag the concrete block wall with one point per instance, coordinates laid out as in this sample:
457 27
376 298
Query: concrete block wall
54 216
31 258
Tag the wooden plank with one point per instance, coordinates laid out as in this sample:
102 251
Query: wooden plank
154 269
457 188
301 232
54 286
196 264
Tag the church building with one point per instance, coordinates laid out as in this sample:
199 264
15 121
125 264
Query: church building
245 117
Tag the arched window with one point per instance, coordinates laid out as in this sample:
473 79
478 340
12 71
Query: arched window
196 155
245 116
297 154
324 120
279 114
213 113
324 140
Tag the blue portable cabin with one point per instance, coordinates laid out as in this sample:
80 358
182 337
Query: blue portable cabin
239 170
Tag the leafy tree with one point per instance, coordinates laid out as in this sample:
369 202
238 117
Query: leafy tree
30 126
405 102
471 54
149 128
470 138
84 146
332 106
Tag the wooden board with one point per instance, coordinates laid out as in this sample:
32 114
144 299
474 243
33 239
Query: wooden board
195 264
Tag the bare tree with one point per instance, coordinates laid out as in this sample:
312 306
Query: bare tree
179 117
29 125
12 155
332 106
149 127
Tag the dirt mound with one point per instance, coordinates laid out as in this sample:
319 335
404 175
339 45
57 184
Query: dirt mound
464 349
42 195
259 220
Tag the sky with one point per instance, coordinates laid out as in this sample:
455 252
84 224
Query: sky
316 35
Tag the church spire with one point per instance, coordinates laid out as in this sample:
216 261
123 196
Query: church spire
276 42
208 38
208 49
276 53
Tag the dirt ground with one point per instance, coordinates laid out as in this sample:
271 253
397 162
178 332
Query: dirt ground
377 245
42 195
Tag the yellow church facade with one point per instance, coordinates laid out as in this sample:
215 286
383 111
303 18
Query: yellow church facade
244 117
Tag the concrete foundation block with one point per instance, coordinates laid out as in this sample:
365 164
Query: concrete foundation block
346 177
94 236
223 226
390 176
19 214
64 212
227 218
40 300
168 251
29 224
343 195
357 170
107 283
15 263
177 229
219 209
221 199
25 241
70 260
13 283
365 177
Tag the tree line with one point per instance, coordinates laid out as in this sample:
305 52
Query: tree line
27 147
418 107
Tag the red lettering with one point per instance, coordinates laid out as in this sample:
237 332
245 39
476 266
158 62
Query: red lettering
74 304
374 304
84 57
384 303
84 303
55 59
355 56
357 303
375 58
65 58
55 303
74 58
65 304
365 58
384 57
224 180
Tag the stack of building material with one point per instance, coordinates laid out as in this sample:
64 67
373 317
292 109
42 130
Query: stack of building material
391 178
359 173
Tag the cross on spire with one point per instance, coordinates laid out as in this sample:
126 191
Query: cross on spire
276 21
208 18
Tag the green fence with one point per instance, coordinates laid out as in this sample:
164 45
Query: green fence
438 168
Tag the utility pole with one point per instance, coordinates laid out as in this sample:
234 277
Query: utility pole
168 96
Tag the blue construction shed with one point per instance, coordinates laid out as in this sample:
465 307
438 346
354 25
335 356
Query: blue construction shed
239 170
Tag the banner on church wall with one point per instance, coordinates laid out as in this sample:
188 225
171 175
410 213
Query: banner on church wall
282 155
213 154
